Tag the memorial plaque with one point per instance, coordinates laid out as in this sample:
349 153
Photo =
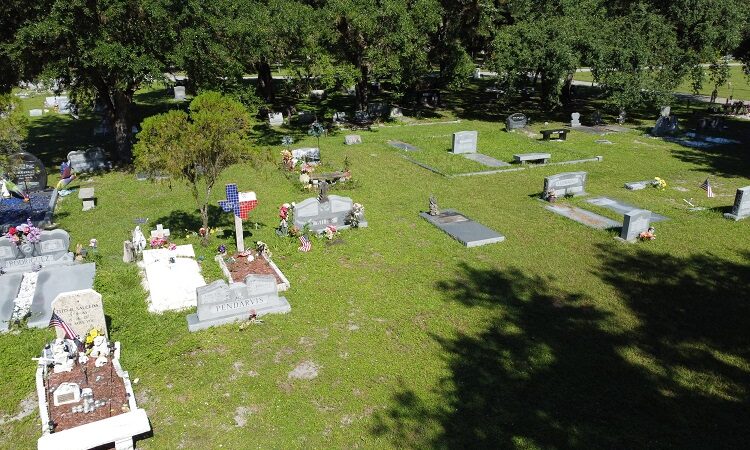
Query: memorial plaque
81 310
27 171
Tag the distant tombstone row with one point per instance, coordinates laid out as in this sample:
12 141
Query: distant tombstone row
515 121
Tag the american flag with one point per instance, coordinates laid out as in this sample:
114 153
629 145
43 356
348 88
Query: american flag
306 245
706 186
56 321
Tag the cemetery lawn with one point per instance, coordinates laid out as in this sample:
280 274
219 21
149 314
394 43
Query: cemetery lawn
737 86
558 337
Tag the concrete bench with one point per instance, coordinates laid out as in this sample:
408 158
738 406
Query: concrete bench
562 134
523 158
89 198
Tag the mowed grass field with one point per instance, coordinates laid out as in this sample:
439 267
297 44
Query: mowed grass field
558 337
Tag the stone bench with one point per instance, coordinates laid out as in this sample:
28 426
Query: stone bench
89 198
562 134
523 158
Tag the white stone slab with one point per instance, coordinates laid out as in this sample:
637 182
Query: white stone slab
172 285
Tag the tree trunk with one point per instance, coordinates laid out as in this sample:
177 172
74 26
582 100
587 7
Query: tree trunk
265 80
118 108
567 90
363 88
204 219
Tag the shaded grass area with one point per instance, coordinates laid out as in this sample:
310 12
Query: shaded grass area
558 337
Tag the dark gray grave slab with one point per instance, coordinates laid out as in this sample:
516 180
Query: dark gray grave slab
584 217
634 223
53 281
221 303
598 130
403 146
27 171
465 142
621 207
566 183
319 215
638 185
9 286
486 160
741 207
463 229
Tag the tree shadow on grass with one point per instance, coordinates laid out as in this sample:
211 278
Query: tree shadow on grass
552 371
178 221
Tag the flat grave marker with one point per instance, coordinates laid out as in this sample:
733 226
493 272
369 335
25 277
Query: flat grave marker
463 229
621 207
583 216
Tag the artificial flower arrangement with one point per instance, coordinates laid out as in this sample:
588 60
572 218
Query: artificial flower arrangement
648 235
659 183
262 249
355 215
287 159
330 232
25 233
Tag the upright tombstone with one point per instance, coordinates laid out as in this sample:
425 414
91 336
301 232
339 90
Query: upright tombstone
352 139
240 204
27 172
317 94
665 124
179 92
741 208
89 160
306 154
396 112
319 215
305 117
276 119
81 311
221 303
515 121
465 142
566 183
575 120
634 223
339 117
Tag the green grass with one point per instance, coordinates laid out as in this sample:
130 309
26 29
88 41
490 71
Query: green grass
737 86
558 337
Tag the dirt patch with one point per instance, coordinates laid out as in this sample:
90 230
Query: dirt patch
281 354
241 267
242 413
306 370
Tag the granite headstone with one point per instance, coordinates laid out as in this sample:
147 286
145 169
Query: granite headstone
465 142
179 92
741 208
515 121
81 311
89 160
51 250
27 171
634 223
10 284
566 183
53 281
320 215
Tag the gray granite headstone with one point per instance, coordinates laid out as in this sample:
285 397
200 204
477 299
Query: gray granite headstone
741 208
463 229
515 121
566 183
621 207
10 284
81 310
352 139
27 171
89 160
465 142
220 303
51 250
320 215
53 281
305 117
634 223
575 120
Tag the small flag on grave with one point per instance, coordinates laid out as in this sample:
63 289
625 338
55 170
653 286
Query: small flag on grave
706 186
306 244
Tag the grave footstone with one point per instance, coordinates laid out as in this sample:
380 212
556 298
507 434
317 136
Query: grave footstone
566 183
352 139
89 160
27 172
81 310
463 229
465 142
221 303
10 284
634 223
515 121
575 120
741 207
319 215
53 281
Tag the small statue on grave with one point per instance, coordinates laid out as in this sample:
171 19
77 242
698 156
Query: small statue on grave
434 211
139 240
128 252
323 191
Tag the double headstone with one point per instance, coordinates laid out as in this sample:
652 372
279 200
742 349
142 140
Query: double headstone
566 183
515 121
89 160
634 223
221 303
307 154
51 250
741 208
319 215
465 142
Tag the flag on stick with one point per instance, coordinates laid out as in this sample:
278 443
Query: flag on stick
56 321
706 186
306 245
